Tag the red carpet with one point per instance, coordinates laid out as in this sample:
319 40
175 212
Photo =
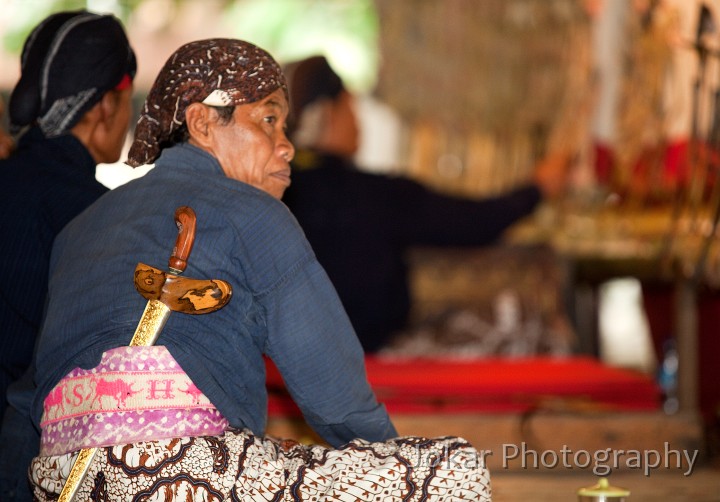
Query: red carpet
493 385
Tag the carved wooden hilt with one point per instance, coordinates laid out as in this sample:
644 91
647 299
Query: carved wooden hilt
185 220
181 294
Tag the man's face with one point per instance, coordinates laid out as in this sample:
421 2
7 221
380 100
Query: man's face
253 147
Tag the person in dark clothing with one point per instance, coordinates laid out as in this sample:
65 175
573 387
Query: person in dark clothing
361 224
69 111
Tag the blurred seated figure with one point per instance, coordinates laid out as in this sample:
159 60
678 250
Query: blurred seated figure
360 225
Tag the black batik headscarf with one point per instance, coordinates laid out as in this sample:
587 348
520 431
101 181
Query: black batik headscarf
216 72
69 61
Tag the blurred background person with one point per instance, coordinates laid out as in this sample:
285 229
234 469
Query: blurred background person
70 110
361 224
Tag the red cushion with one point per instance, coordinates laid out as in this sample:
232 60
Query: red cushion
492 385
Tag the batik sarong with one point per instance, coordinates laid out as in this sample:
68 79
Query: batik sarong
238 465
160 439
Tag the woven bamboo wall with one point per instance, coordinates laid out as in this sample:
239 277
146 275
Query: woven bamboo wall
485 86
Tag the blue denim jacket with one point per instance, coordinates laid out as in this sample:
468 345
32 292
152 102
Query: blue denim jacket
283 304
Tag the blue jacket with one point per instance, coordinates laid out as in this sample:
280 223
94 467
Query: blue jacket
283 304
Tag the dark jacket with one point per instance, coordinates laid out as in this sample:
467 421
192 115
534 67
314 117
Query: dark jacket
361 224
46 183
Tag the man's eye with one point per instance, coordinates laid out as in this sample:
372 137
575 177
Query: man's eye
271 119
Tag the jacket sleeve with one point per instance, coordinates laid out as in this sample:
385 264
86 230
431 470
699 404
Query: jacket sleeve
305 329
432 218
313 344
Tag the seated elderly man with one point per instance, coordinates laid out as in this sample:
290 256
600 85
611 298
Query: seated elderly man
184 419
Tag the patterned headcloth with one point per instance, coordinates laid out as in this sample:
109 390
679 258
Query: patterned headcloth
69 62
217 72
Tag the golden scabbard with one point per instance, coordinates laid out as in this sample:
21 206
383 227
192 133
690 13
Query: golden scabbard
148 329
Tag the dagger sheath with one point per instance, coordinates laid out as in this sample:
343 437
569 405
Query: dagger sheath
151 323
147 332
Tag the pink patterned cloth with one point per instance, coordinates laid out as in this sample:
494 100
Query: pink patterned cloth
134 394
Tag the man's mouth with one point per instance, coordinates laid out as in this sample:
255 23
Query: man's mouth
283 175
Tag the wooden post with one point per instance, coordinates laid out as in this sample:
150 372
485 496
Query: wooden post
686 337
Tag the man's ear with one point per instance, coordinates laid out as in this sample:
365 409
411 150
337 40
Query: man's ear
86 127
102 127
107 107
198 120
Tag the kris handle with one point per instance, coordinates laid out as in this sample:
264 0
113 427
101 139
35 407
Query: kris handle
185 220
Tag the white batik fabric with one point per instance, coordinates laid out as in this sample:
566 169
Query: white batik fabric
238 465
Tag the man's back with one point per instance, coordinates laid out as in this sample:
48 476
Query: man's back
46 183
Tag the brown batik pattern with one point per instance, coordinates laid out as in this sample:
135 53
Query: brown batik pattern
239 466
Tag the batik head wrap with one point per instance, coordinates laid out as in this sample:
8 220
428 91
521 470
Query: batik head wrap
216 72
69 61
